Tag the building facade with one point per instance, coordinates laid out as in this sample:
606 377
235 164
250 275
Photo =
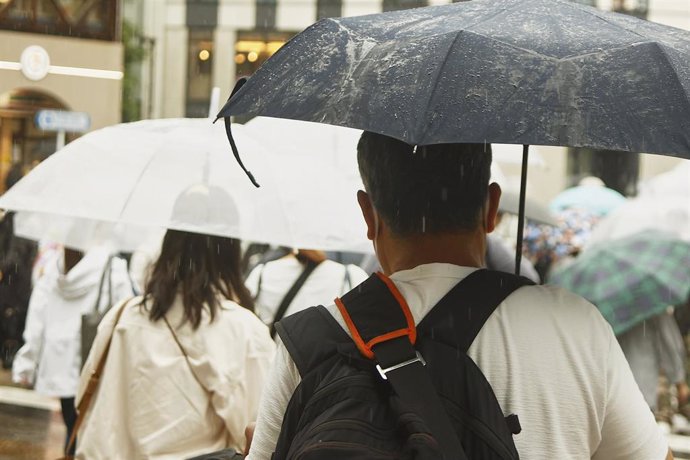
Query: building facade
196 45
56 55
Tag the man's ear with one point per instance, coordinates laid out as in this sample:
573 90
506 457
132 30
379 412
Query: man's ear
368 212
493 200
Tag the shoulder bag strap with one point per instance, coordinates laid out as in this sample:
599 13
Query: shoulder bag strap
105 275
260 282
309 267
92 384
347 280
184 353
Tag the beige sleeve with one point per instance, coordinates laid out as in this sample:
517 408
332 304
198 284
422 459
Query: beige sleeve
282 381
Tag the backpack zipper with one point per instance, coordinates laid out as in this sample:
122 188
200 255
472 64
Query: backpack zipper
364 380
369 429
340 444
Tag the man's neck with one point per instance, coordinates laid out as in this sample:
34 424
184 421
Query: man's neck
464 249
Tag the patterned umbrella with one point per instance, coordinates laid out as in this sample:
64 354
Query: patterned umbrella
631 279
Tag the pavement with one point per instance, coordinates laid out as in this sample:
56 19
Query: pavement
31 426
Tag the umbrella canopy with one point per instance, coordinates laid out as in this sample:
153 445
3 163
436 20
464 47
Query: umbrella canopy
534 72
670 214
671 184
631 279
176 174
534 211
339 146
595 199
79 233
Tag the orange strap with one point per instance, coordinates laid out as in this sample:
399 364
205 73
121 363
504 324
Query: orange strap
365 347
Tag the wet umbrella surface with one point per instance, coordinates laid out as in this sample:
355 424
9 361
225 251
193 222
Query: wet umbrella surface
543 72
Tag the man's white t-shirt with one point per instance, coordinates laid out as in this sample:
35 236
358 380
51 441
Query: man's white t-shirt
328 280
550 357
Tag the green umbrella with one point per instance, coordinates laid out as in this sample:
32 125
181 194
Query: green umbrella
631 279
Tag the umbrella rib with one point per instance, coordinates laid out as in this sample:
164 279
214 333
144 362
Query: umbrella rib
675 71
437 77
587 10
131 192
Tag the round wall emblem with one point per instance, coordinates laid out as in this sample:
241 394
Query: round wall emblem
35 62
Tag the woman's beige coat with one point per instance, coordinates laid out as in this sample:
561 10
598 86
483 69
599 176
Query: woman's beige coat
150 404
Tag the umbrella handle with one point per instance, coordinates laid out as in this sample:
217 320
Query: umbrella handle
521 208
228 131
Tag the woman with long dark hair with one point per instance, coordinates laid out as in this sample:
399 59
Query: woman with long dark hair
186 360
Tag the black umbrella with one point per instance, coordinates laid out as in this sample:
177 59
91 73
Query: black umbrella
545 72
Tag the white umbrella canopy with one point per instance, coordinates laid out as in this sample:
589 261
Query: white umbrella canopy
178 174
79 233
673 184
663 204
339 145
671 215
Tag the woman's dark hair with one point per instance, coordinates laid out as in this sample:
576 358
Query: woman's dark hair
199 268
425 189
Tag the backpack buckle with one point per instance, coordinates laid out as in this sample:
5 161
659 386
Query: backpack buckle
385 371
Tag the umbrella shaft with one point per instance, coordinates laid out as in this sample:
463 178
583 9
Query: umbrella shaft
521 208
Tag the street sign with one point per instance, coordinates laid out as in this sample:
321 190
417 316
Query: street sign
63 120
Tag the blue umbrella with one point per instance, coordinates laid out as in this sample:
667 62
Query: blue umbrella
595 199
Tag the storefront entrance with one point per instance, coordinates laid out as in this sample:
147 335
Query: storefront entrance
20 140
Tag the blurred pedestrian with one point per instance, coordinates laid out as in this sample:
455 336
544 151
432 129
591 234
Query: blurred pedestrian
17 256
186 360
499 257
297 281
51 357
655 346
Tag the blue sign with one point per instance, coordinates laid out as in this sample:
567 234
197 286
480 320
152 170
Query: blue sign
63 120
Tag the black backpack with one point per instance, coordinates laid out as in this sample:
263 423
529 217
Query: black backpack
395 391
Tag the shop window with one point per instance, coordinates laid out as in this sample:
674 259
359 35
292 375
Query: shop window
20 140
638 8
266 14
619 170
199 72
329 9
252 49
74 18
394 5
202 13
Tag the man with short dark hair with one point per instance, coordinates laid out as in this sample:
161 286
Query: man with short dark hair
549 355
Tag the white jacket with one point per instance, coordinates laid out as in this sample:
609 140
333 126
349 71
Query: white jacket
150 404
51 355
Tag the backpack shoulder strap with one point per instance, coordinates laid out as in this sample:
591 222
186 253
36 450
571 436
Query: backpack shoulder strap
460 315
310 336
383 329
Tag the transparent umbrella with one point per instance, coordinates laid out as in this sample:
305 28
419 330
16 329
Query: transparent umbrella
177 174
